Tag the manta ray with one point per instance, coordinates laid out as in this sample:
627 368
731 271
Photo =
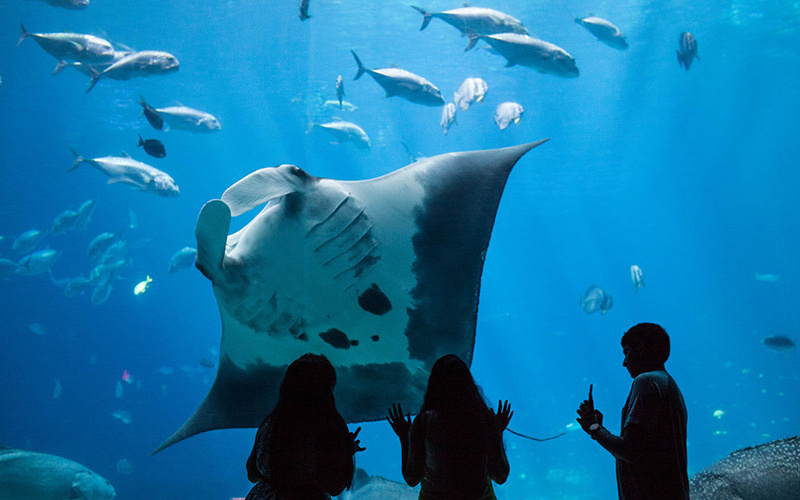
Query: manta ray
382 276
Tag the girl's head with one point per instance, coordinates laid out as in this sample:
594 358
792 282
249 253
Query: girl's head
451 387
309 380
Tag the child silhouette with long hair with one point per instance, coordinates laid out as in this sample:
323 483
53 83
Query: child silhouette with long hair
303 449
455 445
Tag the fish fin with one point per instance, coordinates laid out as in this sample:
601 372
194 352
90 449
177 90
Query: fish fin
258 188
511 63
211 232
95 78
473 39
680 61
61 65
24 34
126 155
426 16
142 102
141 142
361 68
78 160
516 121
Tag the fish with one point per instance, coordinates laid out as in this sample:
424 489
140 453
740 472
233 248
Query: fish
508 112
448 117
126 170
366 487
30 475
768 277
182 259
153 118
76 286
207 363
85 212
37 328
7 266
191 120
769 471
596 299
401 83
57 389
382 276
605 31
304 10
123 416
474 20
71 46
101 243
89 69
166 370
38 262
471 90
68 4
344 131
153 147
119 391
137 64
779 342
116 251
637 278
344 105
687 50
64 222
27 241
142 286
124 467
340 90
544 57
102 291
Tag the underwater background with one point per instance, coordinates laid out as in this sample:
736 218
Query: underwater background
691 175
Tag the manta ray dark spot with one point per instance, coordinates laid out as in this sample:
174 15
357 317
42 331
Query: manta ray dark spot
336 338
373 300
302 337
375 338
354 342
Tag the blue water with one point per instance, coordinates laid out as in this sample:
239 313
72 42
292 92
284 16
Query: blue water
693 176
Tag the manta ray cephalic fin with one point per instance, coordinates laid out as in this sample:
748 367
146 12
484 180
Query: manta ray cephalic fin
212 228
262 186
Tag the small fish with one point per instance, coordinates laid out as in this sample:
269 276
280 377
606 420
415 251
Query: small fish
64 222
596 299
85 212
118 390
100 244
166 370
687 51
304 10
718 413
123 416
57 389
124 467
27 241
207 363
153 117
637 278
37 328
6 266
340 90
76 286
344 105
768 277
508 112
471 90
182 259
153 147
102 291
133 221
448 117
142 286
126 377
779 342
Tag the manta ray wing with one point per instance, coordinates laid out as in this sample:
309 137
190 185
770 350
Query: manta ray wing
382 276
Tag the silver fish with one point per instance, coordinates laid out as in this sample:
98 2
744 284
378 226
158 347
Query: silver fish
448 117
474 20
129 171
192 120
100 244
605 31
596 299
344 131
64 222
471 90
508 112
182 259
27 241
340 90
544 57
71 46
137 64
401 83
637 278
68 4
38 262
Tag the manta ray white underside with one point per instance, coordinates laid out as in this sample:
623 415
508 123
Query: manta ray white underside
382 276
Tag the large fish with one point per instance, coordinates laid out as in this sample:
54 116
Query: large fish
542 56
137 64
769 471
474 20
129 171
71 46
605 31
68 4
38 262
344 131
27 475
382 276
401 83
181 117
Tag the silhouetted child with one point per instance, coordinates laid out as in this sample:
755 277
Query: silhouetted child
455 444
651 452
303 449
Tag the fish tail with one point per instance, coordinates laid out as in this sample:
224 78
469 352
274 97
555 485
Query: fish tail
473 39
95 78
24 34
78 160
426 19
361 68
141 142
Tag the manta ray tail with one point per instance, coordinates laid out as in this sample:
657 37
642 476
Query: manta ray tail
212 234
361 68
427 16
